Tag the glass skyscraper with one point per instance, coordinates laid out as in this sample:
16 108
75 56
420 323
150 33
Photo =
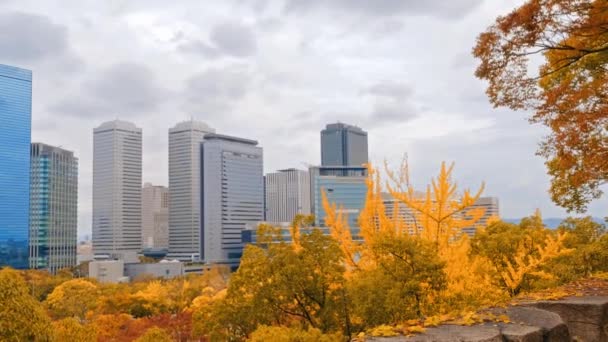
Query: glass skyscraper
15 137
232 195
54 208
344 186
343 145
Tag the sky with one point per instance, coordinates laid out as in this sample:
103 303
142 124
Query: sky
278 72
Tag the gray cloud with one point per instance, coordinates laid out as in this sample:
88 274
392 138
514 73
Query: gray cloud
199 47
392 103
217 90
388 8
124 89
394 90
234 39
28 37
225 39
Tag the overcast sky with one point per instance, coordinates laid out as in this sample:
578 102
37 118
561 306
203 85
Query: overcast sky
277 72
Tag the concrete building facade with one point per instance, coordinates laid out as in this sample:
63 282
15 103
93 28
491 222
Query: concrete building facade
287 194
117 168
232 195
155 216
53 208
185 188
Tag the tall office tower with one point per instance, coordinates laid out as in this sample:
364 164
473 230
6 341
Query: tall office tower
184 188
287 194
491 210
53 208
155 216
232 195
343 145
15 135
117 189
344 186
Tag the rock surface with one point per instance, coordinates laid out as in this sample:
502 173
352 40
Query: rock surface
580 319
552 326
586 317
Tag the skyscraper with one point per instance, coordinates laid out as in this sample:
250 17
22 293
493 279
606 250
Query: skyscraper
53 207
184 188
15 137
117 149
345 186
287 194
155 216
343 145
232 195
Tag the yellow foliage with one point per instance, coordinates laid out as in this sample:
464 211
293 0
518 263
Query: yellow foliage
73 298
284 334
70 329
438 216
526 263
383 331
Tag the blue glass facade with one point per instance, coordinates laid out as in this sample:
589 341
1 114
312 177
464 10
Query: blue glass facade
344 186
15 136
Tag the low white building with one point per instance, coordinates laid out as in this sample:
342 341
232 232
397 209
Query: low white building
164 269
108 271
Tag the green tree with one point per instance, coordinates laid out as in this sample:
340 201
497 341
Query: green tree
589 244
519 253
407 276
279 284
22 318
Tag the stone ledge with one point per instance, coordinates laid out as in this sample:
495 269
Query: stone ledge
577 319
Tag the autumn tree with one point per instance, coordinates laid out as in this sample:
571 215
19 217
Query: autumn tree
567 93
22 318
74 298
436 220
155 334
70 329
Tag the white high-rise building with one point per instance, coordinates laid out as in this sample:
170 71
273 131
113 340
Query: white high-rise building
492 210
184 188
232 195
287 194
155 216
397 209
117 156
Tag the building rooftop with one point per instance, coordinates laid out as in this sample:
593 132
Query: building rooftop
340 125
192 125
15 72
214 136
118 124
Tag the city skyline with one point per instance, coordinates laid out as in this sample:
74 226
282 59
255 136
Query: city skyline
397 97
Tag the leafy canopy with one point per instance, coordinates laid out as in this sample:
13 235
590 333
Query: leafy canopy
568 92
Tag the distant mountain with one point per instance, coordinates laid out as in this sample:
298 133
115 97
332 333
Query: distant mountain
552 222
